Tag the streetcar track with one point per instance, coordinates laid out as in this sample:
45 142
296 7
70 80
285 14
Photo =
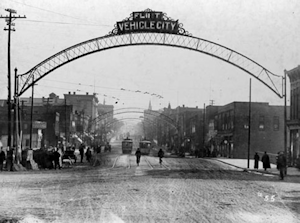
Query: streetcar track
165 166
128 162
115 162
162 164
147 161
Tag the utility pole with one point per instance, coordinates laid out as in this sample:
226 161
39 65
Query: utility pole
204 129
284 122
31 115
9 19
249 126
16 135
66 141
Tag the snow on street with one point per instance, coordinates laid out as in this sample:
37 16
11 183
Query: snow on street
181 190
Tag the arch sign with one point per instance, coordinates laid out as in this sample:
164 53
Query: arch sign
147 21
150 28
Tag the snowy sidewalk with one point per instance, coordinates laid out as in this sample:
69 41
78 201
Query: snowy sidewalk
243 163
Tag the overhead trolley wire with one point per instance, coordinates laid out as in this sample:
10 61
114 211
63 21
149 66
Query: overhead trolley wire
58 13
63 23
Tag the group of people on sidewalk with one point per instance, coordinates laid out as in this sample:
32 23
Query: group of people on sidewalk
265 160
88 153
280 161
8 157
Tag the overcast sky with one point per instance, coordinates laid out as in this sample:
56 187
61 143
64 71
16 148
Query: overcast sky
266 31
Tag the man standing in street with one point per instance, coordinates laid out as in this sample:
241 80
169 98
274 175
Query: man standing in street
138 156
266 161
56 156
281 164
88 154
2 158
81 151
10 159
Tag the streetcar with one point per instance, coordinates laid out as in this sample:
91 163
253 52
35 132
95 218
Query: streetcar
145 146
127 146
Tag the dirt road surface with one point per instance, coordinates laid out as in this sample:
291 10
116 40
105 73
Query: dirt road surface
179 190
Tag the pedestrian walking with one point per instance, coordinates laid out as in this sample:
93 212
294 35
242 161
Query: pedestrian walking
160 155
256 160
138 156
266 161
2 158
56 157
281 164
10 159
81 151
88 154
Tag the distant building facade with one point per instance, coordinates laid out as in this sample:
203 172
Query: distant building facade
51 121
181 129
104 122
228 128
294 121
55 120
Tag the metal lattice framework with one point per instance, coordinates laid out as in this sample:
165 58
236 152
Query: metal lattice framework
162 117
148 121
185 40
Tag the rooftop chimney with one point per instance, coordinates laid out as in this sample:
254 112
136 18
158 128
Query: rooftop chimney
74 92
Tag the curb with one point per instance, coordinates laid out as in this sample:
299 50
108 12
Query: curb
246 169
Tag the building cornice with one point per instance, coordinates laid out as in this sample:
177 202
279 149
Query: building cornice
294 74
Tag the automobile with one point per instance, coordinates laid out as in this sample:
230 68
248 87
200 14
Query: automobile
69 156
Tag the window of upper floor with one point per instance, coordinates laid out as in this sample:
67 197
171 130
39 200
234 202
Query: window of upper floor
261 124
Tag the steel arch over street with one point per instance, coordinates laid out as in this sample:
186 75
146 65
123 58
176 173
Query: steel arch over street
181 39
120 111
148 121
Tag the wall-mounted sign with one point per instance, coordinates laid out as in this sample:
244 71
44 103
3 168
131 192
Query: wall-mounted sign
148 21
39 125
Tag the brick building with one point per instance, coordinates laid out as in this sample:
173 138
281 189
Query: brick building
294 121
227 131
184 131
65 119
51 122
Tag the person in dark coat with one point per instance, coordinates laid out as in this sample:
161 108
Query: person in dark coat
88 154
10 159
138 156
281 164
81 151
266 161
256 160
56 156
160 155
2 158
